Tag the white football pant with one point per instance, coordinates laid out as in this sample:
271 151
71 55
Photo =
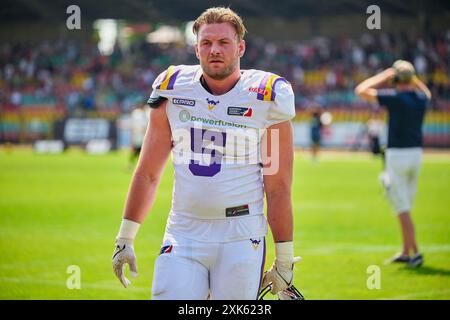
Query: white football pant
193 270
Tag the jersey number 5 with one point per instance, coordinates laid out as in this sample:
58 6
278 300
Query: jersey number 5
201 141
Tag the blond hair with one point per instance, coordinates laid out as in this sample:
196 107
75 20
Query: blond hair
220 15
404 71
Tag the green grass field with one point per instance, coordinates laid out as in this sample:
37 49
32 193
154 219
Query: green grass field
62 210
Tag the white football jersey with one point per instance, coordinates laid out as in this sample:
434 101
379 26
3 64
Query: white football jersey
216 146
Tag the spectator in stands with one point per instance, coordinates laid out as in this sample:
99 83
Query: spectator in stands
321 67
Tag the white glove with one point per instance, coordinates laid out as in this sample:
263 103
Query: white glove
281 273
124 254
124 251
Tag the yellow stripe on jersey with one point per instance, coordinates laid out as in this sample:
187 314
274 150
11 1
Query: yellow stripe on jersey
165 83
269 87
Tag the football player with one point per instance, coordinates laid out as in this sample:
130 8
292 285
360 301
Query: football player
215 119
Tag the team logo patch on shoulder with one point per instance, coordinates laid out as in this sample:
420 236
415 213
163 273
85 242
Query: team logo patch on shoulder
166 249
183 102
240 111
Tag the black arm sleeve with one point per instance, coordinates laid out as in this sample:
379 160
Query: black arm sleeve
155 102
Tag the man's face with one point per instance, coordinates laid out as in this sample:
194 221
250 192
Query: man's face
218 49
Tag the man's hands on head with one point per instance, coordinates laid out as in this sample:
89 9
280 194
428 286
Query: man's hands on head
124 251
390 73
367 89
281 274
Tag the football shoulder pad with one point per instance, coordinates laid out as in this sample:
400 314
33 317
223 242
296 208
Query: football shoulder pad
273 89
175 77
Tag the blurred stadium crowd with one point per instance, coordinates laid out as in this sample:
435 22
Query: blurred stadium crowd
75 77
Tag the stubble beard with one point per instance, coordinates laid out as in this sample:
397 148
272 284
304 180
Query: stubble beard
221 74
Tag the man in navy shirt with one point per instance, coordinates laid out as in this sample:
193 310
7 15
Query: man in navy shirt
406 104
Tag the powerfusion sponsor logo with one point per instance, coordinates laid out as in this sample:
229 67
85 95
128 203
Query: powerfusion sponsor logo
186 116
217 122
